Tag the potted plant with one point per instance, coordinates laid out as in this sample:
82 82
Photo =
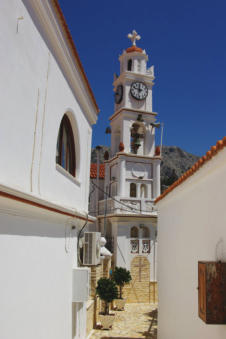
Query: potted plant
107 291
121 276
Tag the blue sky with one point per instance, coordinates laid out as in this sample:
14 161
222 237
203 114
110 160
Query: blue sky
185 41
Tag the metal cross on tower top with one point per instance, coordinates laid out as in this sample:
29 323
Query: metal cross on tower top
133 37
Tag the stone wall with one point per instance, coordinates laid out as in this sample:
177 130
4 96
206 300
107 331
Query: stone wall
94 305
153 292
96 274
140 289
106 268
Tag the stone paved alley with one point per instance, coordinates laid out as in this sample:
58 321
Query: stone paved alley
134 322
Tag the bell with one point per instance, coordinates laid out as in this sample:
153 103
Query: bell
135 126
140 131
138 128
139 118
108 130
137 143
106 155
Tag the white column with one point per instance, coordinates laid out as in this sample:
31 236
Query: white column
156 178
121 176
149 142
113 142
125 134
138 190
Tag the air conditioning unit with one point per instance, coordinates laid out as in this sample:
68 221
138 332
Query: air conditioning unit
91 248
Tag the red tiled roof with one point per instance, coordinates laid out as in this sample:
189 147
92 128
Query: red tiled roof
93 171
134 49
209 154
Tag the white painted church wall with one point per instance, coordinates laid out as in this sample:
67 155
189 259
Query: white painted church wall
36 94
36 270
191 224
36 282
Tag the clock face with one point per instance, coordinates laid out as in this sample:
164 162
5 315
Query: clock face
118 94
138 90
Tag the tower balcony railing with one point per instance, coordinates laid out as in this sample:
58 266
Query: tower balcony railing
140 246
126 206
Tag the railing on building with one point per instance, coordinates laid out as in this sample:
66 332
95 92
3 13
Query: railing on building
126 206
106 207
142 246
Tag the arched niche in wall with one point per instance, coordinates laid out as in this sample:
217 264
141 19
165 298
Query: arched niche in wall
144 232
133 190
134 232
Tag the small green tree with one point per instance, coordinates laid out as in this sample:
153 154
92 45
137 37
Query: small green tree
121 277
107 291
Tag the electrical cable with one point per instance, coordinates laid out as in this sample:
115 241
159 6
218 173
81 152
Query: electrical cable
118 201
79 235
80 232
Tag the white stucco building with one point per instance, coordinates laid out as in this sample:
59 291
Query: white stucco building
191 228
47 113
132 173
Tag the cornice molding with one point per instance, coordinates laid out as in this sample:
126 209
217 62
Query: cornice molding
25 201
132 76
129 216
128 110
132 156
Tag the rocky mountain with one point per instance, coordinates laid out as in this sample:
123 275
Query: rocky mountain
175 162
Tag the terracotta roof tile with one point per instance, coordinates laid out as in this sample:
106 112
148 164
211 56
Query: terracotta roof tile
209 154
134 49
93 171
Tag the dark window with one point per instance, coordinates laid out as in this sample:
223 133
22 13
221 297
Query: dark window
145 232
133 190
65 156
134 232
129 65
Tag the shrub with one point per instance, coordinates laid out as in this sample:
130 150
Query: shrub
121 276
107 291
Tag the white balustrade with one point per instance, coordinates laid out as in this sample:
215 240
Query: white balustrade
140 246
126 206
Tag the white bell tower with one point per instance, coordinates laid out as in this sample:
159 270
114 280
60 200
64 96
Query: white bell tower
136 172
127 216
